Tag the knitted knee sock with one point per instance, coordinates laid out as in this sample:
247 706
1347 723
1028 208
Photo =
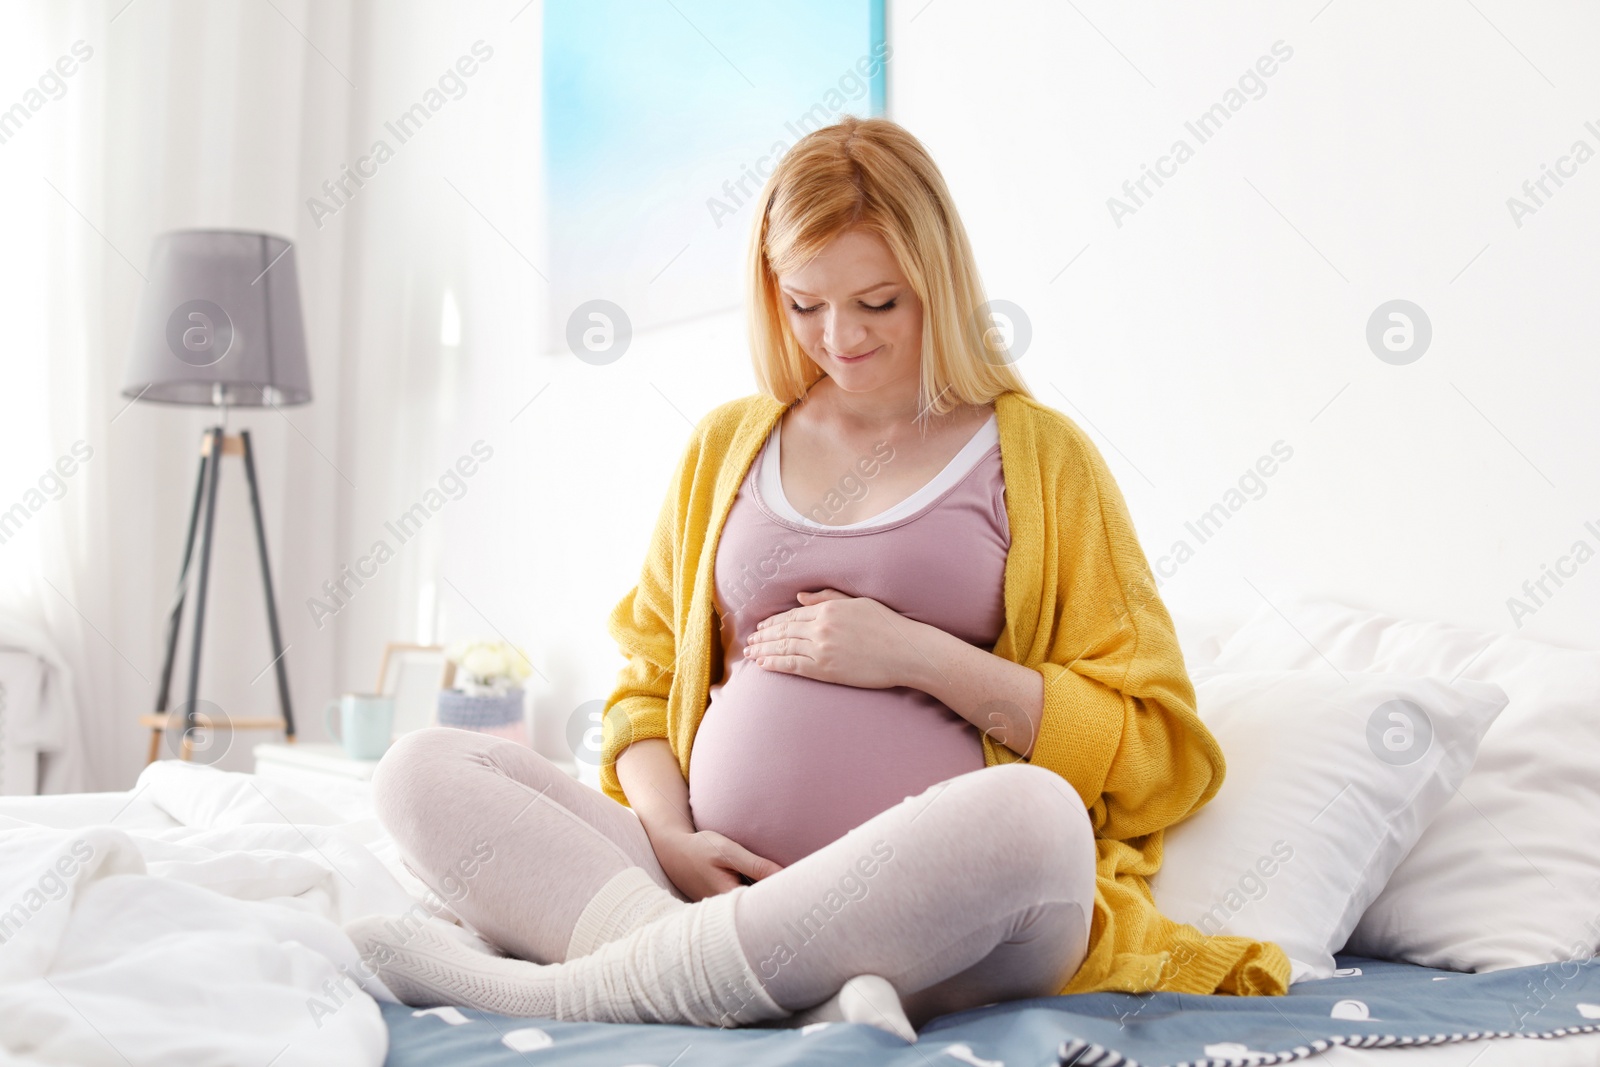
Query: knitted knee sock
631 899
686 967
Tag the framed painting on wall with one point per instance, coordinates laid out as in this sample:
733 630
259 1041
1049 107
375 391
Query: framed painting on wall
660 124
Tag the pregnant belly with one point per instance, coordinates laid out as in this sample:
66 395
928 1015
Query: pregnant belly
784 765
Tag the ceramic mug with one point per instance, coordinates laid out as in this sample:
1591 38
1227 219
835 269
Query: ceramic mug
365 723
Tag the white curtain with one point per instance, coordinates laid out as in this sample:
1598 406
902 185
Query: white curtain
149 117
424 298
421 304
45 508
152 116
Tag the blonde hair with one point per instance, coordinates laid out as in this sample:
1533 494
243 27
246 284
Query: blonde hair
873 175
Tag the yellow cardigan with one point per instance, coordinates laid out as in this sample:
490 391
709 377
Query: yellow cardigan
1081 608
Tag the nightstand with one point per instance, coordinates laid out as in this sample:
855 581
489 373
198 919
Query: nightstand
322 771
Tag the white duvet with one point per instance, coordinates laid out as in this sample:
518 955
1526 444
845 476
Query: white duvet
215 941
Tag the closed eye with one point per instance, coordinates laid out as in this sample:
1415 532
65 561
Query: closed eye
887 306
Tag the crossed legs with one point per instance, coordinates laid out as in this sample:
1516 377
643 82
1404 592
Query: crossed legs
975 891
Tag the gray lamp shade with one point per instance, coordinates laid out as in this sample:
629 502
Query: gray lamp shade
219 323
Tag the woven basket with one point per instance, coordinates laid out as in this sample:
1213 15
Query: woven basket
497 714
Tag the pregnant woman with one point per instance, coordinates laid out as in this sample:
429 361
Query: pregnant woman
903 718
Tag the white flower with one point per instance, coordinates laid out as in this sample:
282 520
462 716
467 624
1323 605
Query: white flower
517 665
484 663
491 665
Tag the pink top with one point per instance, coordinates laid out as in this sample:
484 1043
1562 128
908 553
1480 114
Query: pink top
784 764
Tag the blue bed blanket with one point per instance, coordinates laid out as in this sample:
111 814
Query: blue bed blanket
1367 1003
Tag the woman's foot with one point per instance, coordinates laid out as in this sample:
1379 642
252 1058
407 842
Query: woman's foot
866 998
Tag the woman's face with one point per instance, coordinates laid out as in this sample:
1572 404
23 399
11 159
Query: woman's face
855 314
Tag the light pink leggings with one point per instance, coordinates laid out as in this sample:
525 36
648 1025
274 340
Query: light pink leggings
975 891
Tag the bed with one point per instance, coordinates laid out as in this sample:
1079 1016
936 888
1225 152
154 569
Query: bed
196 919
1379 1013
198 827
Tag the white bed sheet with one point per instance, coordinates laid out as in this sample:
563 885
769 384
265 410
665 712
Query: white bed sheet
69 811
1579 1050
120 913
147 812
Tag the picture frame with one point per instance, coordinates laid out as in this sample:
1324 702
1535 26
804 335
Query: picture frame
616 218
414 674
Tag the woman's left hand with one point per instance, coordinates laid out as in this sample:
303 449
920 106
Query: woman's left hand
833 637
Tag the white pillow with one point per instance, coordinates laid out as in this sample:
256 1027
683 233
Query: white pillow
1329 783
1508 874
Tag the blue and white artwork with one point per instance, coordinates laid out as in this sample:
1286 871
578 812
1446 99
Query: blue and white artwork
662 119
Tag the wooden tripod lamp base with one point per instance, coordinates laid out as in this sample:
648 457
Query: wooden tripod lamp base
194 717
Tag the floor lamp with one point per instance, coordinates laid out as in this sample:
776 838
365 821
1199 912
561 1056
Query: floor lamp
218 326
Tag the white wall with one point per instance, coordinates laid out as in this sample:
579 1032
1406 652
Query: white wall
1225 315
1229 312
1188 341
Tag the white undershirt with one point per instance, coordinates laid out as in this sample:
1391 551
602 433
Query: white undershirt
963 461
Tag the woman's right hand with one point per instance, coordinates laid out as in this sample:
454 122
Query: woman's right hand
704 863
701 863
